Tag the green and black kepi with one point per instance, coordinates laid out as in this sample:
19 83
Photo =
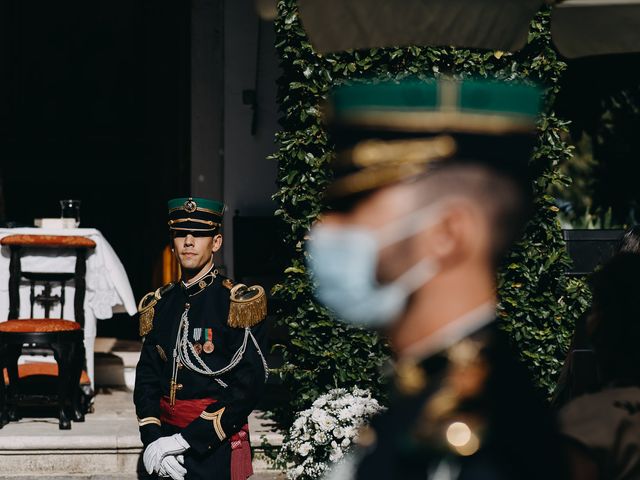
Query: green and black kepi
195 214
387 132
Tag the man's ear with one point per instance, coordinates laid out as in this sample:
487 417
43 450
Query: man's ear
217 242
467 225
444 238
448 240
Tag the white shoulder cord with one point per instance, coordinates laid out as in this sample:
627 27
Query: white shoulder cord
265 366
184 347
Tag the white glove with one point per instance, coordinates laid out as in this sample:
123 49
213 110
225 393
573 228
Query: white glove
156 451
172 467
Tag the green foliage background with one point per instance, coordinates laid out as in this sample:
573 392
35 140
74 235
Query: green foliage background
539 304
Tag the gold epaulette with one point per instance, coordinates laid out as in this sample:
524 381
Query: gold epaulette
248 306
146 308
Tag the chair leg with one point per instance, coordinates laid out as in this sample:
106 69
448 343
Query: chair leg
4 414
12 355
4 417
77 363
63 353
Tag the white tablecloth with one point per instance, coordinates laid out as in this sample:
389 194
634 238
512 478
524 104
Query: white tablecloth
108 287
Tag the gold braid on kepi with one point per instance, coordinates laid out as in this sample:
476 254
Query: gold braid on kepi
248 306
388 132
195 214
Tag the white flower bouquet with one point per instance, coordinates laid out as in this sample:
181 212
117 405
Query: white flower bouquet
322 434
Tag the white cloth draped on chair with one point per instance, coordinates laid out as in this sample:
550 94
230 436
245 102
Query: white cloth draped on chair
108 288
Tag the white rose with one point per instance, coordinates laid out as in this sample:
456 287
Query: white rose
350 432
320 437
299 470
334 445
317 415
345 443
342 402
327 423
299 423
304 449
336 454
357 410
338 432
345 414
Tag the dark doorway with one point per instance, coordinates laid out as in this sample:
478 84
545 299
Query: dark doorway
94 105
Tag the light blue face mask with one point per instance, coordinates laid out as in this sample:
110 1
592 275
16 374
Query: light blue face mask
344 261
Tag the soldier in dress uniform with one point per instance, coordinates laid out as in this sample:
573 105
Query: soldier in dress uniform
430 190
202 370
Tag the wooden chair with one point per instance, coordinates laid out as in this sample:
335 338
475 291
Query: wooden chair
64 337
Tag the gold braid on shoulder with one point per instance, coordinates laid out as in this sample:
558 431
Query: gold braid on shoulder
248 305
146 308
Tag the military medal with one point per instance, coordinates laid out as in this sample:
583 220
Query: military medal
208 344
197 334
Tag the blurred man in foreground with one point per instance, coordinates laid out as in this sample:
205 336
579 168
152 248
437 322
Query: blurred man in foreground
430 191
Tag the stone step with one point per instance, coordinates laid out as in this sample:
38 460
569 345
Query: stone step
105 446
115 361
256 476
90 464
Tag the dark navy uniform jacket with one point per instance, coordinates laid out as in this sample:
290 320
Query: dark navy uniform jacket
209 304
477 382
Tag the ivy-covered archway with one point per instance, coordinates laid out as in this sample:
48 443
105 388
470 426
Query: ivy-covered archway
538 303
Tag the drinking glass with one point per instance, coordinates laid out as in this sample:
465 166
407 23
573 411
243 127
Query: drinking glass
70 209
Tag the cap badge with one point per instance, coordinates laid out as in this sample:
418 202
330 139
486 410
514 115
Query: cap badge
190 206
